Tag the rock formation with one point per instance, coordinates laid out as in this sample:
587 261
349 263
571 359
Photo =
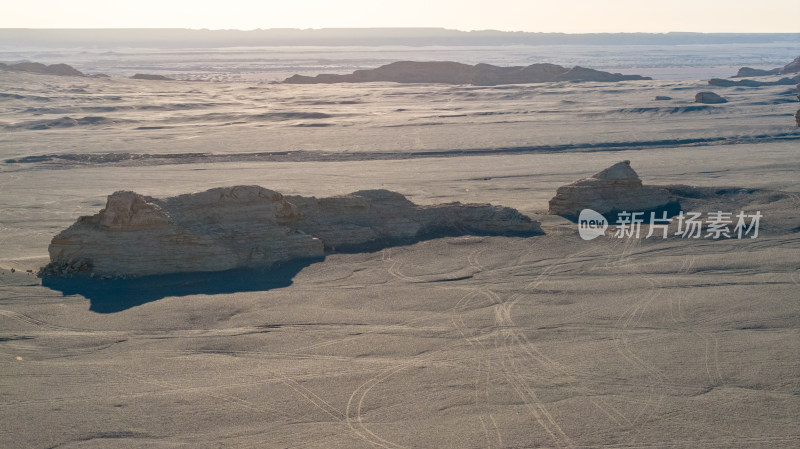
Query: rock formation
708 98
615 189
792 67
447 72
145 76
35 67
749 71
578 73
752 83
249 226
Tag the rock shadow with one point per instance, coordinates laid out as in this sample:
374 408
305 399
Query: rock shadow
672 209
117 295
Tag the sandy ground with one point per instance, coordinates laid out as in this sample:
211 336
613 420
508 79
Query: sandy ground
469 342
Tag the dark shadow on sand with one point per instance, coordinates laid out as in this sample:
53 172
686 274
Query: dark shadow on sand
672 209
116 295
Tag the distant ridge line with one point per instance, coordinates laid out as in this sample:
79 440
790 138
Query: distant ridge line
202 38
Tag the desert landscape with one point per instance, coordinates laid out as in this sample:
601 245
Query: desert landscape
396 263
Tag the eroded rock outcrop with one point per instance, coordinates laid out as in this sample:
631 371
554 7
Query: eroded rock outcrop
35 67
792 67
752 83
749 71
150 77
615 189
249 226
709 98
448 72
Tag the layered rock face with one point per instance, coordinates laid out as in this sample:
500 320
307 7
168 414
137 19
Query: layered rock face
249 226
448 72
615 189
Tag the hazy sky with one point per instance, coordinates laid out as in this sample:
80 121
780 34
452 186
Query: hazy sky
510 15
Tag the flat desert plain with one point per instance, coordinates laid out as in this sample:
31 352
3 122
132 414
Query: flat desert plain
458 342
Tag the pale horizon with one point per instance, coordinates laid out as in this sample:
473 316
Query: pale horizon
576 17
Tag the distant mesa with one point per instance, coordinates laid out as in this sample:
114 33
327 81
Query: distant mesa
745 72
448 72
250 227
792 67
146 76
578 73
709 98
66 70
615 189
753 83
35 67
662 98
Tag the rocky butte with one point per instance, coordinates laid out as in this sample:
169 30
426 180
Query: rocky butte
249 226
448 72
615 189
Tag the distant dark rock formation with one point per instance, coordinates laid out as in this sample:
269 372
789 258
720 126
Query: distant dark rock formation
792 67
615 189
662 98
578 73
749 72
145 76
448 72
35 67
797 117
251 227
708 98
752 83
55 123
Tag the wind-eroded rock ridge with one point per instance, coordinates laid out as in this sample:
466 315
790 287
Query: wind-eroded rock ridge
448 72
250 226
